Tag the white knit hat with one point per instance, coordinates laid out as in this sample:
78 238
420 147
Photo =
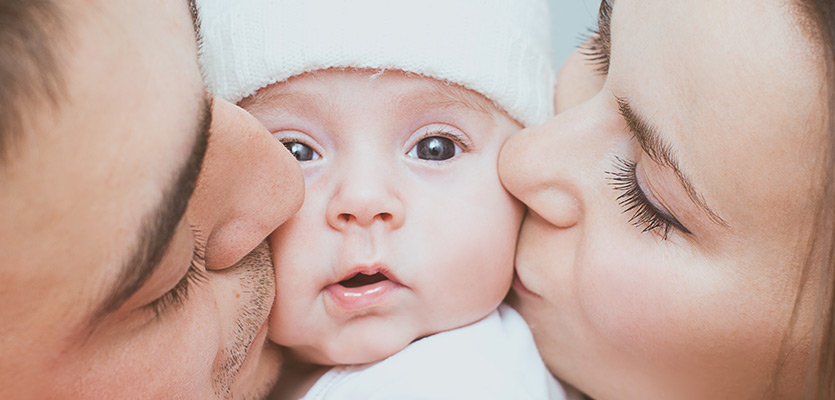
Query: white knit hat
499 48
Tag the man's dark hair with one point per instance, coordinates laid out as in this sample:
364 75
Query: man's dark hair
30 74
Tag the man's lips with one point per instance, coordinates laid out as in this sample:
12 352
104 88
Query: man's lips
256 344
362 288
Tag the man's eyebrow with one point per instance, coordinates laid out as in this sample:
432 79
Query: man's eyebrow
653 144
157 228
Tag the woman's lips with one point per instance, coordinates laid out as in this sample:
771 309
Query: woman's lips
520 288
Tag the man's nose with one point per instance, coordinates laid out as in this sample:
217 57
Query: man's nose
248 186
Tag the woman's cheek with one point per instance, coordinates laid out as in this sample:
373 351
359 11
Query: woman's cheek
646 305
674 315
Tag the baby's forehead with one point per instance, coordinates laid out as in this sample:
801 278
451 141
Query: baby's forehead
413 88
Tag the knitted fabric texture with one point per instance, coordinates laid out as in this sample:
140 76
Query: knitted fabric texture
498 48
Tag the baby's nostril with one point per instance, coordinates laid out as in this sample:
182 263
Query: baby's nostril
344 217
386 217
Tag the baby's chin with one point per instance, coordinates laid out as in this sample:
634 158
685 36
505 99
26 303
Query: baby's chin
343 352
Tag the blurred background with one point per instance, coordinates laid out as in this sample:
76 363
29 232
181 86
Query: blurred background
569 20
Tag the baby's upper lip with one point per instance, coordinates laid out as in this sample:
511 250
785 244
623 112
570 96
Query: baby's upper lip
369 270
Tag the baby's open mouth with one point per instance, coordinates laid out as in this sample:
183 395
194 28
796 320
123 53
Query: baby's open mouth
361 279
363 288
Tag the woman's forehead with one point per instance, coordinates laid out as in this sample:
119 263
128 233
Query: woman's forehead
734 89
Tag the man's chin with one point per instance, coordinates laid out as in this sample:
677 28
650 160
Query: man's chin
259 372
250 364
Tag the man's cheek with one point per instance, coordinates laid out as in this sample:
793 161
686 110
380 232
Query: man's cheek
167 357
146 369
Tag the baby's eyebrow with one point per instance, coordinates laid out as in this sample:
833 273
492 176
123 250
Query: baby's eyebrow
265 96
446 94
283 100
438 95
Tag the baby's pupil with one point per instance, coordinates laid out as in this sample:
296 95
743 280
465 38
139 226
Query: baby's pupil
302 152
436 148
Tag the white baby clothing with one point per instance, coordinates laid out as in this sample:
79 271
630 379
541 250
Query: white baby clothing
492 359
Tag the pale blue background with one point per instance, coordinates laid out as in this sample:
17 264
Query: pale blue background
570 19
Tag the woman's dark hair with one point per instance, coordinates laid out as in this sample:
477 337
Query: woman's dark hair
821 382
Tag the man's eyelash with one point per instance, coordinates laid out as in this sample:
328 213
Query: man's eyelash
645 216
195 275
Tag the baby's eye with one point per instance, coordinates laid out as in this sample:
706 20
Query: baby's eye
435 148
301 151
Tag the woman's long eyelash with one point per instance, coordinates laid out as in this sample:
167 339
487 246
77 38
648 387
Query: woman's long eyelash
195 275
596 45
596 55
632 199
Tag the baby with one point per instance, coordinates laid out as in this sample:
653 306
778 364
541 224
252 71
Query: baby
393 272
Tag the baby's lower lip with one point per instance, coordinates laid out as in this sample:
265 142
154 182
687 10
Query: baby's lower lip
351 299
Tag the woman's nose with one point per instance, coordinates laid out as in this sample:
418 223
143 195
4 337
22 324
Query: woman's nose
366 193
248 186
550 167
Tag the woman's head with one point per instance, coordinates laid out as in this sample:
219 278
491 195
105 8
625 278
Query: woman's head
674 199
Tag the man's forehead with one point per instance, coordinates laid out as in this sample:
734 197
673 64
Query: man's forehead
92 169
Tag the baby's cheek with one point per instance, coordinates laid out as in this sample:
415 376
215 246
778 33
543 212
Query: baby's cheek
277 240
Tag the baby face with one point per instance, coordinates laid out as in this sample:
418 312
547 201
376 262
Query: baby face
405 230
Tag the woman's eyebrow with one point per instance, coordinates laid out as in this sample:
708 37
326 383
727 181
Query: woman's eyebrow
654 145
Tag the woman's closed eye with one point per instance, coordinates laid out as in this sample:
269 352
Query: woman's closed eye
645 215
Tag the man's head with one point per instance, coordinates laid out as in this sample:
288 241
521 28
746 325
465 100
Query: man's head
29 73
132 261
